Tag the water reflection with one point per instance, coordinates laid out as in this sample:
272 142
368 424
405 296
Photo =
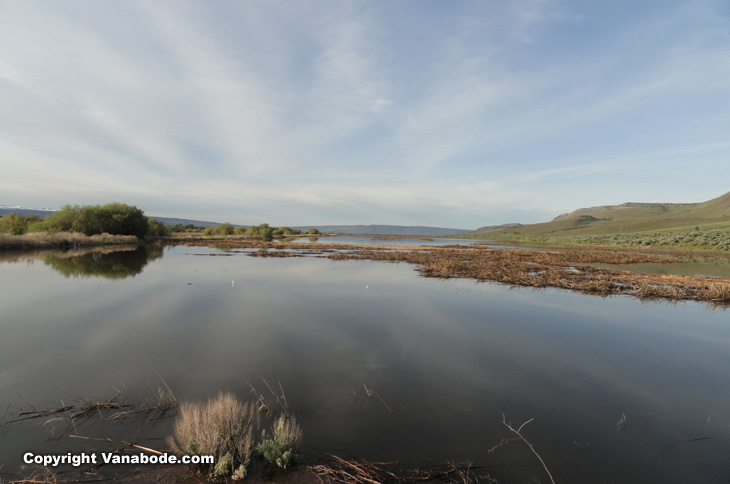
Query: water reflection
384 240
691 266
447 357
109 262
118 264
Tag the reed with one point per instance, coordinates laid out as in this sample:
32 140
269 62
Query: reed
61 239
569 269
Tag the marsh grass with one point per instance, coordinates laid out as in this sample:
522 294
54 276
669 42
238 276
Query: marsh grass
568 269
117 408
39 240
350 471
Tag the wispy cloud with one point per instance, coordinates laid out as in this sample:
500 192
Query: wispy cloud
353 112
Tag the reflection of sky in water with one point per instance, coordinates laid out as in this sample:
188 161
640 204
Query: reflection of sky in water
446 356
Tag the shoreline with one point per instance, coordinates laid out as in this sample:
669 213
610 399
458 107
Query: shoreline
561 269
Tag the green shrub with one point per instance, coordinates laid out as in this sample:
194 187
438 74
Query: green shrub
263 231
280 447
15 224
155 228
222 229
112 218
287 231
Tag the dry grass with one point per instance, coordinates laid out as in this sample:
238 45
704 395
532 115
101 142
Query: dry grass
223 427
529 268
69 418
61 239
349 471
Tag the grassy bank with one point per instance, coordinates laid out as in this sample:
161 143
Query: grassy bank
45 240
690 240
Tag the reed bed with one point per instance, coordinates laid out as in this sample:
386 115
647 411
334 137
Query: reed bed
117 408
351 471
568 269
41 240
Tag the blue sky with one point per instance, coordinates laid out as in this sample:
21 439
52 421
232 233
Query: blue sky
443 113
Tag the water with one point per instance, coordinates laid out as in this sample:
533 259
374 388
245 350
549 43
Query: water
405 241
445 358
691 266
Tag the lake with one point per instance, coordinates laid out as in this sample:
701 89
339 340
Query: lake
444 361
385 240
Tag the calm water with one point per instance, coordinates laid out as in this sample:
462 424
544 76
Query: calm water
407 241
693 266
446 357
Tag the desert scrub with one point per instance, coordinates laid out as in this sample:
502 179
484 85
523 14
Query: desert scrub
280 447
222 427
715 240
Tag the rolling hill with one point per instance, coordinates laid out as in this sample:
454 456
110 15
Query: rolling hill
626 218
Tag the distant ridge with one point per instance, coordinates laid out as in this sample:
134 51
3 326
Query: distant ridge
41 212
490 228
628 217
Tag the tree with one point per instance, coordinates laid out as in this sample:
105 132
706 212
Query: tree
112 218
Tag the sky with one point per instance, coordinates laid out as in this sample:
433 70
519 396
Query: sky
454 114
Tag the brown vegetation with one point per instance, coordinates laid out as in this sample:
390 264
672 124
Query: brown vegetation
222 427
61 239
349 471
570 269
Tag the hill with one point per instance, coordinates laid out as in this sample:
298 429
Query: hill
23 211
491 228
627 218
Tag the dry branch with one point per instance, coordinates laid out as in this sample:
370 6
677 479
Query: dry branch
521 437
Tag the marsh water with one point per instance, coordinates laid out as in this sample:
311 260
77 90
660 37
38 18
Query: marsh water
385 240
376 362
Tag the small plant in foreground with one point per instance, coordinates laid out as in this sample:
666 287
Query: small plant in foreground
280 447
223 427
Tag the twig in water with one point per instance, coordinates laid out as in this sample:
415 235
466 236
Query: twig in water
371 393
264 404
517 432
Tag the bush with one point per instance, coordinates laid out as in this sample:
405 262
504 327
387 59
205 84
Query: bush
287 231
263 231
222 427
188 228
280 447
314 231
155 228
112 218
15 224
222 229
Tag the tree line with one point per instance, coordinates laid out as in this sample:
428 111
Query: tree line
112 218
122 219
